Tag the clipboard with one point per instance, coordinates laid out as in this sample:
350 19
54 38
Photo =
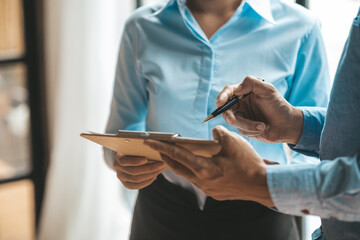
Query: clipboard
131 143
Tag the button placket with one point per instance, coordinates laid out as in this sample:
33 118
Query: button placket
205 78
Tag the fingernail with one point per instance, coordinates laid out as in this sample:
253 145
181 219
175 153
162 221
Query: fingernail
260 127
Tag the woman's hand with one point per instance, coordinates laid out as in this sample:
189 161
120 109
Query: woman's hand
136 172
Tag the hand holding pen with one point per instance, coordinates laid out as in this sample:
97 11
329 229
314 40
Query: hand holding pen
262 113
228 104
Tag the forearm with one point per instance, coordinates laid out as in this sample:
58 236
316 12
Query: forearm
129 102
330 189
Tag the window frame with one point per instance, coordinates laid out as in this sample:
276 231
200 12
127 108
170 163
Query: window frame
33 60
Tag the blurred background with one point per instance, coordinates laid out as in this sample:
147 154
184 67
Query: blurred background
57 65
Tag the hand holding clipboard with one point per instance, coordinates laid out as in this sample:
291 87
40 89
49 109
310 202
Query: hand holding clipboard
131 143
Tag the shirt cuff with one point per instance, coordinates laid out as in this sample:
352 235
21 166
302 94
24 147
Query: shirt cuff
314 119
293 189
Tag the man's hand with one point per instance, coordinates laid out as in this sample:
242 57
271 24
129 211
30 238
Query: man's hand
264 115
136 172
237 172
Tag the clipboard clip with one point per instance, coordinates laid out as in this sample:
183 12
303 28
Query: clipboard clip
145 135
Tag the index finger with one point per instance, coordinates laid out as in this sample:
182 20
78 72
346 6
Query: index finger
254 85
225 95
124 160
179 154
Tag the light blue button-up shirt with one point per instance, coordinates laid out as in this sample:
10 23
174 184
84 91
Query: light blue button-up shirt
330 189
169 73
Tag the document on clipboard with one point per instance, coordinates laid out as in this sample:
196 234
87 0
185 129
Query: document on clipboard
131 143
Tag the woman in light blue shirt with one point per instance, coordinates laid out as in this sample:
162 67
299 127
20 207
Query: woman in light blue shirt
175 58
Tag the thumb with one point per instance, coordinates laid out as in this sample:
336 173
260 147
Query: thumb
227 139
219 132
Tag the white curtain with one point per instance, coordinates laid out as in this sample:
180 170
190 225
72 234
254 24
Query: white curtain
83 198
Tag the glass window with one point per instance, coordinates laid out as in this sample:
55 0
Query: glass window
17 210
11 29
14 122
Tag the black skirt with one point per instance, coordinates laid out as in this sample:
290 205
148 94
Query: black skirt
165 211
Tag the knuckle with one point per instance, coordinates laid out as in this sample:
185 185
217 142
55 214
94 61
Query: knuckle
227 87
206 174
203 173
271 87
247 79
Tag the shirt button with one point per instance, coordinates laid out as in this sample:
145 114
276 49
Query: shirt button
305 211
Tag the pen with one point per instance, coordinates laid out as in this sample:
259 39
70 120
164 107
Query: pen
231 102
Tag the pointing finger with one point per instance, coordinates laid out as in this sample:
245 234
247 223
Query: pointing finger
225 95
178 168
179 154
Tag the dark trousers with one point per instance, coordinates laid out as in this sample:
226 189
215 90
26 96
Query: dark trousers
165 211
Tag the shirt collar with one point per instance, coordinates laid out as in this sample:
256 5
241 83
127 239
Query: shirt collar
261 7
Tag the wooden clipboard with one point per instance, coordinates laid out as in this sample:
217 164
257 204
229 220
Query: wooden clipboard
131 143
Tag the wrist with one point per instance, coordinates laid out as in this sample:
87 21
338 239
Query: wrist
296 127
263 195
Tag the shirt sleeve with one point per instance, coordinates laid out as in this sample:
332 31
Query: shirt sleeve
330 189
129 103
311 81
309 142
